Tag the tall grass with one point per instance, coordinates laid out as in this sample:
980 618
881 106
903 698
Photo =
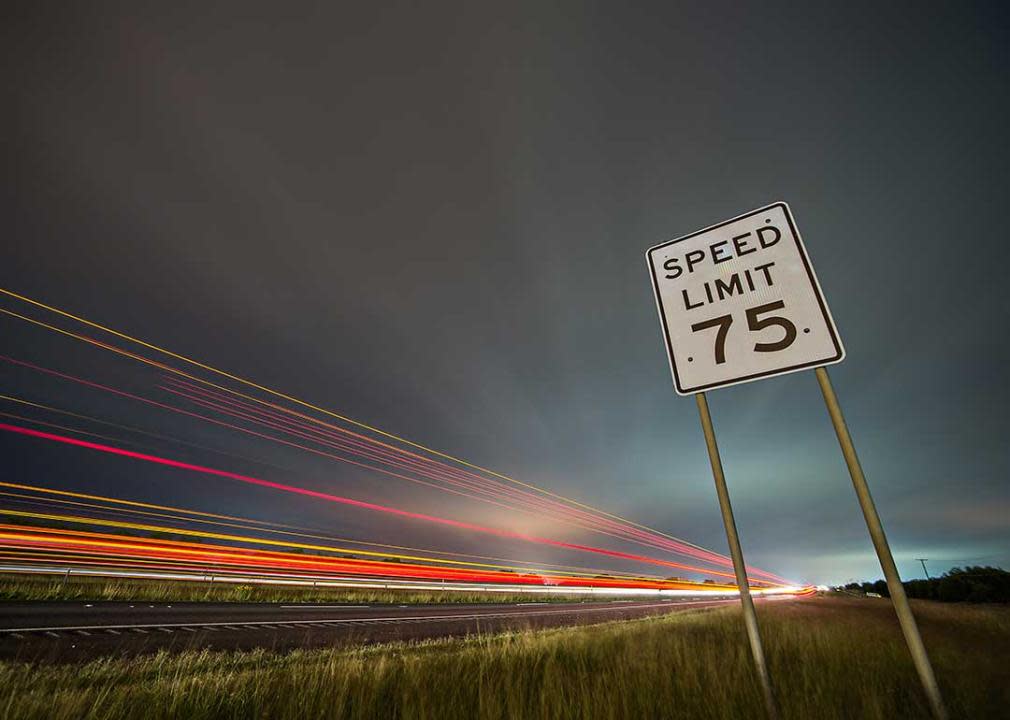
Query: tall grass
28 587
830 659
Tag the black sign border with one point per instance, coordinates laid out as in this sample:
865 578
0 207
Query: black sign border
839 349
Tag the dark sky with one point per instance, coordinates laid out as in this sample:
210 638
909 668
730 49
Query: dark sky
432 217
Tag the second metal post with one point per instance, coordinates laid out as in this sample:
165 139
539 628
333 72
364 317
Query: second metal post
735 551
897 591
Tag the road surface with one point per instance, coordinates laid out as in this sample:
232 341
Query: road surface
64 631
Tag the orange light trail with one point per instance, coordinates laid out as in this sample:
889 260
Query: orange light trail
535 506
146 527
350 501
274 528
250 384
416 463
155 403
707 556
139 431
202 557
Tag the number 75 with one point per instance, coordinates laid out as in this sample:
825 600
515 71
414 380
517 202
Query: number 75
755 323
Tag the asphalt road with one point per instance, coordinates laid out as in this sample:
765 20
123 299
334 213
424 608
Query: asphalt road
66 631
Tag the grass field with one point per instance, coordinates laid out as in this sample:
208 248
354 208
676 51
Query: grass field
830 658
41 587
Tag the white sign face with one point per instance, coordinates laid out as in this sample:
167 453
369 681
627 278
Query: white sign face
739 301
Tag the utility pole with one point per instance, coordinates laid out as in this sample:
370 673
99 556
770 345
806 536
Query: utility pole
924 570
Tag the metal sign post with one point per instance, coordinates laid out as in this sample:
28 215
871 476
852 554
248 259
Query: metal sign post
738 302
736 552
894 586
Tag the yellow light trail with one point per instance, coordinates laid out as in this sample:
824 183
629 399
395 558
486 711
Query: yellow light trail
234 538
128 428
304 531
289 398
238 556
74 430
77 558
267 404
532 567
79 519
280 408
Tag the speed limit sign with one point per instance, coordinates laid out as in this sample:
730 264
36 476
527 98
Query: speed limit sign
739 301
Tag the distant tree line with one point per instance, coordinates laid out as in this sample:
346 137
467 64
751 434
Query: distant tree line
970 584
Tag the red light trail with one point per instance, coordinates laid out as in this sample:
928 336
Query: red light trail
128 507
117 550
706 556
272 422
436 471
349 501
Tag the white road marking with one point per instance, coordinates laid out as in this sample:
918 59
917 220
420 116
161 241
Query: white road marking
325 607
